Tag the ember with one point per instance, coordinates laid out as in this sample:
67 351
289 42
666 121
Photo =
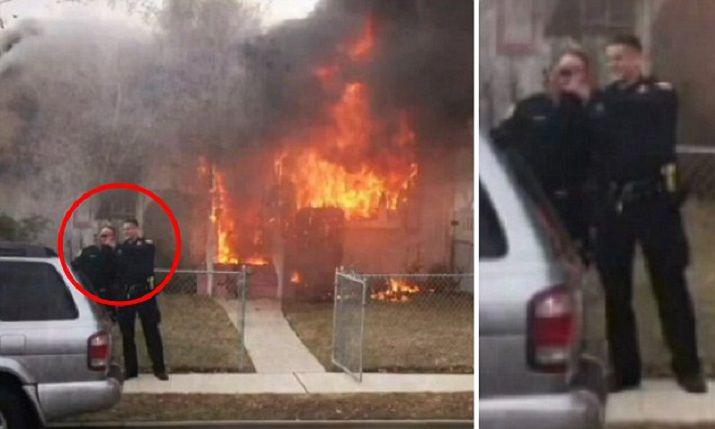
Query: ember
296 278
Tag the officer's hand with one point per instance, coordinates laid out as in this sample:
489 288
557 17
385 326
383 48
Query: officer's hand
582 91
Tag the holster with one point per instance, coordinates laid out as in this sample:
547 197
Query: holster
621 195
136 290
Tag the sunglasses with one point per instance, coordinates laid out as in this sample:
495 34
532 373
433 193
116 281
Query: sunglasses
106 235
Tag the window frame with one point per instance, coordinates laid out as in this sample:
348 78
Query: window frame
490 211
74 312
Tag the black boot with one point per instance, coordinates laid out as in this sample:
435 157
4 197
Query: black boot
692 383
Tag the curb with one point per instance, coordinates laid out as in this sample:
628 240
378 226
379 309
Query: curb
226 424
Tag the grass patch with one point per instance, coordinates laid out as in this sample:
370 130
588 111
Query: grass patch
197 334
435 334
392 406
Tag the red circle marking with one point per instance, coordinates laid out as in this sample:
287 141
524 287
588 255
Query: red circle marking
131 187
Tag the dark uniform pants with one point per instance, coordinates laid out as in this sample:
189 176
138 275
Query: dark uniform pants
656 224
574 211
150 317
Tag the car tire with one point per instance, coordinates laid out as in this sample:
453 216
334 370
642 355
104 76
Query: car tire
14 413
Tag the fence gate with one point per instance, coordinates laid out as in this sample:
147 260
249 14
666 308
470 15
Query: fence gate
242 283
225 286
348 323
403 323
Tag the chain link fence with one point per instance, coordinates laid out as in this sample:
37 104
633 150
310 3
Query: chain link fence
697 170
348 323
408 323
203 320
226 284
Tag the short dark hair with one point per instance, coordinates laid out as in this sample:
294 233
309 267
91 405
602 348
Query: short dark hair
627 40
131 220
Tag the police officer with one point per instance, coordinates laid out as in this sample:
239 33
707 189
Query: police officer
135 260
98 263
634 122
549 132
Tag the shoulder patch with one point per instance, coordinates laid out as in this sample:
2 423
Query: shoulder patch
510 111
667 86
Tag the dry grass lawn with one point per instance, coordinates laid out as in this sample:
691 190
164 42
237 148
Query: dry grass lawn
431 335
197 336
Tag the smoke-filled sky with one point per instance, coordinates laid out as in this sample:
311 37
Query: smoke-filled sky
273 12
90 93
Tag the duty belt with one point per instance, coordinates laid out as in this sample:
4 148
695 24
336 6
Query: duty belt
625 193
136 290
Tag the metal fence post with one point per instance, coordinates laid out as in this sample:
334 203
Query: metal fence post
242 323
362 325
335 313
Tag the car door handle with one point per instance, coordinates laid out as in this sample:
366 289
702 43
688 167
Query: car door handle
12 344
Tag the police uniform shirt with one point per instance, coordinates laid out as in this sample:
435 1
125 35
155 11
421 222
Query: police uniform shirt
98 264
136 261
551 136
634 127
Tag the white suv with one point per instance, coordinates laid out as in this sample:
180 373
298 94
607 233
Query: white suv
55 345
537 368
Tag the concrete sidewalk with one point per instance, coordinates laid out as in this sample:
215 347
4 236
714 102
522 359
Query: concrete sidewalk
300 383
273 346
662 402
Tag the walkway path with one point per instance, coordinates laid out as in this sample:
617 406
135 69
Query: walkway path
273 346
300 383
663 402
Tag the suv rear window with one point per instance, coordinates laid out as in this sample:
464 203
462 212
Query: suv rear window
33 291
492 241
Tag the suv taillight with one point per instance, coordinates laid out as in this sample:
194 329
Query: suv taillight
553 329
99 351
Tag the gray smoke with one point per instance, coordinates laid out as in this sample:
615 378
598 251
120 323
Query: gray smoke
85 101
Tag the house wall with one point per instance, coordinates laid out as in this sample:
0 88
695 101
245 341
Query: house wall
508 74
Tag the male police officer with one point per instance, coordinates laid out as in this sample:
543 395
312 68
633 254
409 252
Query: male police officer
634 122
135 260
550 133
98 263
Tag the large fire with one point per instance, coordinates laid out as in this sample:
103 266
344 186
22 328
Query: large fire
358 161
223 219
357 158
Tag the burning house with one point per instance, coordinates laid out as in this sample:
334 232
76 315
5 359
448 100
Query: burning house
361 156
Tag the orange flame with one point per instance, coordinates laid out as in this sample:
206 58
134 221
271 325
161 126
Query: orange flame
224 225
222 218
256 260
296 278
362 49
360 189
398 291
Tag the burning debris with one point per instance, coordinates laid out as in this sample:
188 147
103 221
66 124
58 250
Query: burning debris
397 290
